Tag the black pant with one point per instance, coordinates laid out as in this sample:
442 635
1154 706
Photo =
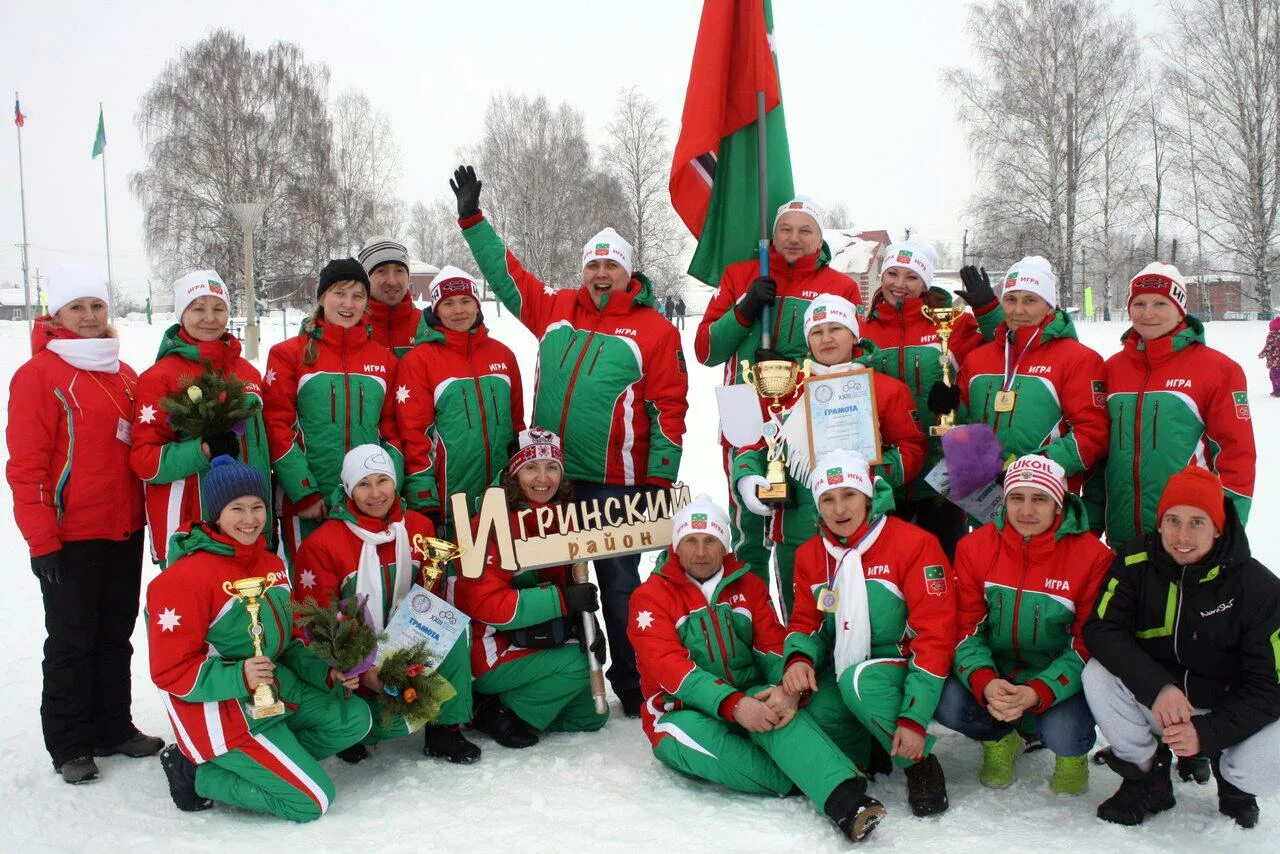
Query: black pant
89 618
617 577
939 517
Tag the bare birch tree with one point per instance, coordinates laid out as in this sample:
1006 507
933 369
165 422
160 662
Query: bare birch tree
366 165
434 235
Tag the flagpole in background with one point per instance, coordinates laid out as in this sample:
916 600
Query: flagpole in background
19 120
100 147
762 178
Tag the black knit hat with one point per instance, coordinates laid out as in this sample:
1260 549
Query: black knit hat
341 270
227 480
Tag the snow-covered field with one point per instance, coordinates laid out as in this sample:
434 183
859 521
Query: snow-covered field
571 792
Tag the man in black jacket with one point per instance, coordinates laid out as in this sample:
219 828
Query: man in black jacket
1185 639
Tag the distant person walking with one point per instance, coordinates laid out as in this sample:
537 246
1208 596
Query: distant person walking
1271 352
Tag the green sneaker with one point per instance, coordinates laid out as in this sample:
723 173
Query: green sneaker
997 760
1070 775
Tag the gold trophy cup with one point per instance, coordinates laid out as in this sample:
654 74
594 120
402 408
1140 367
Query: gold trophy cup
775 380
943 318
435 554
266 702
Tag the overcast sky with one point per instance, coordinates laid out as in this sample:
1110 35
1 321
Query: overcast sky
869 120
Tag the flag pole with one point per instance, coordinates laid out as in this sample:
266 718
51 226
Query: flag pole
22 195
762 176
106 218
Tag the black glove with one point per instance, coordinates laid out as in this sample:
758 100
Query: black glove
466 186
580 598
943 398
227 444
761 293
597 646
977 286
48 567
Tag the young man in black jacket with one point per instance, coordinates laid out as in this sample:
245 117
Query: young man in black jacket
1185 639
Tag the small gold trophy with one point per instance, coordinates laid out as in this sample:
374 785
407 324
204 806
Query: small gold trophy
266 702
435 554
775 380
943 318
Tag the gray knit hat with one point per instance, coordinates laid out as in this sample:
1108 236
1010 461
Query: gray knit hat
383 250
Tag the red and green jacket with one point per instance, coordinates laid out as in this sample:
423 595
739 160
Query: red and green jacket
1023 602
68 437
612 380
328 561
910 350
499 602
394 326
911 599
459 404
701 650
316 413
172 465
198 639
1173 401
902 448
1060 405
724 337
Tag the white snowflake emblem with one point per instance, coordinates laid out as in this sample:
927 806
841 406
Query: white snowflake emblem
168 620
644 619
147 415
307 578
270 376
402 394
548 290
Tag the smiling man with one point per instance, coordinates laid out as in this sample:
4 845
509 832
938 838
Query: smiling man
392 314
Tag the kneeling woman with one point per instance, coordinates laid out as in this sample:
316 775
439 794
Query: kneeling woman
878 617
531 673
365 549
203 662
1025 584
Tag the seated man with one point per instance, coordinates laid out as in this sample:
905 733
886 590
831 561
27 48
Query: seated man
1185 639
709 649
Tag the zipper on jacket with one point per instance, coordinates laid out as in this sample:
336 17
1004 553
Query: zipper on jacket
1177 613
1155 424
466 407
1035 627
568 347
791 328
484 418
724 655
333 402
362 403
1017 600
706 638
1137 449
591 368
573 377
280 634
346 398
902 347
918 386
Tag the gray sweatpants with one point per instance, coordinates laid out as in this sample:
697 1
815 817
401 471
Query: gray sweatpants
1252 766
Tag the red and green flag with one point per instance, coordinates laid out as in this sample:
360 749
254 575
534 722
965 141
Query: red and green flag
100 139
714 174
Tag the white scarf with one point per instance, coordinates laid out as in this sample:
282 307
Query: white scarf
853 615
369 574
89 354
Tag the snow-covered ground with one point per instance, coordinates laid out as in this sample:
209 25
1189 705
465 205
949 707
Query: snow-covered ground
571 792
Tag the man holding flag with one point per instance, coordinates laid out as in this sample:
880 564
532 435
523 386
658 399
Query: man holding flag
731 169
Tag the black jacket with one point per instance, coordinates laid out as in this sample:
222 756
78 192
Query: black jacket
1211 628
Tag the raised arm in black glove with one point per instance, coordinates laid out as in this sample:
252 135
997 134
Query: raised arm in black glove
977 286
579 598
943 398
227 444
48 567
760 294
466 186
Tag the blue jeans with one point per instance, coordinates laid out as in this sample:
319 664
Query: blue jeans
1067 728
617 578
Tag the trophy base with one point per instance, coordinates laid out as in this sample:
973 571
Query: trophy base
941 429
260 712
775 495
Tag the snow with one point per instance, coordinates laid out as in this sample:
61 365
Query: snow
602 791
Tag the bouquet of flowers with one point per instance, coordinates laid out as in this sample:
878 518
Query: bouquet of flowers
209 405
340 633
411 688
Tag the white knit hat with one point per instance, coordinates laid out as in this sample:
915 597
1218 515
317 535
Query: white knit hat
804 205
1039 472
452 282
362 461
536 443
192 286
831 308
70 282
1033 274
914 255
701 516
840 469
610 246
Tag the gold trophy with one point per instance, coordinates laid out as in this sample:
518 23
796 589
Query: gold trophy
266 702
943 318
775 380
435 554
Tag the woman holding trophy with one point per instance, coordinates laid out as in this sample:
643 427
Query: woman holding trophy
365 549
252 708
531 673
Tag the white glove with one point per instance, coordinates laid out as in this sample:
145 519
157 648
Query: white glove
747 492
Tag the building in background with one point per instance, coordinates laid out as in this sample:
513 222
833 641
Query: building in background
858 254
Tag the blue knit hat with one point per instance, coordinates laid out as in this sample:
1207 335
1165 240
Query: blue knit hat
228 480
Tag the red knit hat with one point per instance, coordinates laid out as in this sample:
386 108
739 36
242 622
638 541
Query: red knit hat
1195 487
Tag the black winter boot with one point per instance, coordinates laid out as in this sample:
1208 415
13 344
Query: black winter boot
927 787
632 700
854 811
1240 805
81 769
494 719
1142 792
135 746
448 741
354 755
181 773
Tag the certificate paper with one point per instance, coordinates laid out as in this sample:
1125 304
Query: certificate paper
423 617
841 411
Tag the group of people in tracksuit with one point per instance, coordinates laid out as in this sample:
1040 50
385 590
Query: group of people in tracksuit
887 612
